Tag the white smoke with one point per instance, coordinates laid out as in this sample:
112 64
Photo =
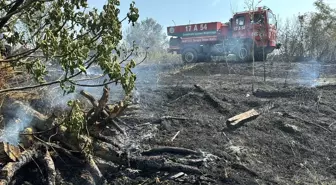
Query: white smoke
14 126
309 73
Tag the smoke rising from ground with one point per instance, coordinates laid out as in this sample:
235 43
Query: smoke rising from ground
148 78
15 125
309 73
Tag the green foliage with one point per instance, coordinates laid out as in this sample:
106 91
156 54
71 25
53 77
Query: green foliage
71 34
320 33
76 121
147 33
325 18
311 35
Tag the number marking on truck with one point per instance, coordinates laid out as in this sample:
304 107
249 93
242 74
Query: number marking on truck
196 27
237 28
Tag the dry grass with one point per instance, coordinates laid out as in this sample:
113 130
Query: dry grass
160 57
6 72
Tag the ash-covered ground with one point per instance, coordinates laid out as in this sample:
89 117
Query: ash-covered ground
292 143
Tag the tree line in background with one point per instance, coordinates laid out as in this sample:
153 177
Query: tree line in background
149 36
311 36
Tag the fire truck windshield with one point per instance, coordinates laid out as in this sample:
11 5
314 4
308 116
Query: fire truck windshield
271 19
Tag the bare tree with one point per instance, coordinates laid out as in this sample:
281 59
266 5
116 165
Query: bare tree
251 5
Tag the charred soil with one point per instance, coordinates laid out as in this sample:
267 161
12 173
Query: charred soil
291 141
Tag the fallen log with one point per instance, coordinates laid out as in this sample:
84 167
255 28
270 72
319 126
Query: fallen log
50 168
38 120
171 150
293 116
161 164
241 118
106 139
9 170
287 93
217 103
109 152
239 166
192 162
326 87
75 156
8 152
106 166
94 170
163 118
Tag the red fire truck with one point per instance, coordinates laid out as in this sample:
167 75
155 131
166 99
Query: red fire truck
246 32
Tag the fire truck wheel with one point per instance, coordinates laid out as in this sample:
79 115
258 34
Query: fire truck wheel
189 56
244 53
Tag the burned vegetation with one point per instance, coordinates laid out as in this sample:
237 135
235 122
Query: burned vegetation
94 143
76 106
202 133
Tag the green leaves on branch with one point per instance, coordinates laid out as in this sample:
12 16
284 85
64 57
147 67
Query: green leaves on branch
76 122
72 35
133 14
128 77
38 69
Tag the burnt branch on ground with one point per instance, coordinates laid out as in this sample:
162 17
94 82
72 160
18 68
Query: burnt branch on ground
217 103
102 146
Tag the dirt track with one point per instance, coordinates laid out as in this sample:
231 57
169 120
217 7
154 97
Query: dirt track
275 148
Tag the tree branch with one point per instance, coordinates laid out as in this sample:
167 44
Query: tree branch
10 13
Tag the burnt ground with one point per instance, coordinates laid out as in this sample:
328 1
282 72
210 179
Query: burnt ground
292 143
274 148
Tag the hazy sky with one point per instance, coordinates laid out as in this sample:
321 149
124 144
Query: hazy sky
183 11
